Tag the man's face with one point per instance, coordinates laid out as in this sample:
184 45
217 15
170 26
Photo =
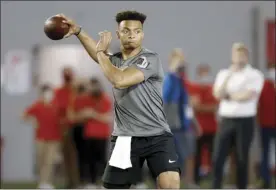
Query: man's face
130 33
177 60
81 88
240 57
203 71
47 94
95 88
67 75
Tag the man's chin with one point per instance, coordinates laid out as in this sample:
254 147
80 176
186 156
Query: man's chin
130 46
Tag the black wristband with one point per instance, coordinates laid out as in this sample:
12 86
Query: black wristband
78 32
99 51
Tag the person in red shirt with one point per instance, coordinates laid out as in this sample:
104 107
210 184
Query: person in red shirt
62 98
96 110
205 106
48 134
63 95
79 102
187 140
267 122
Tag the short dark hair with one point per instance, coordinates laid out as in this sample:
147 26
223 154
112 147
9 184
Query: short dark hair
130 15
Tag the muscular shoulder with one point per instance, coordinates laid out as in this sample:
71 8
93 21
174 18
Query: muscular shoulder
149 53
147 59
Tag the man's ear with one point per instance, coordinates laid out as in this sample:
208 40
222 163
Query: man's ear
118 34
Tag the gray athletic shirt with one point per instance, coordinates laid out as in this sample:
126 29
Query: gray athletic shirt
139 108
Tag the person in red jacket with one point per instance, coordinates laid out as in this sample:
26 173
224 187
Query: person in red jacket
48 134
96 111
267 122
205 106
62 98
79 102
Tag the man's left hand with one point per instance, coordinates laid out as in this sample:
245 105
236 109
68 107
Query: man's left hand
104 42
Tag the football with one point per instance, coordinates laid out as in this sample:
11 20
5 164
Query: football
55 29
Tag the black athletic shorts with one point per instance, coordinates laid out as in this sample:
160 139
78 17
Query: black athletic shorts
159 152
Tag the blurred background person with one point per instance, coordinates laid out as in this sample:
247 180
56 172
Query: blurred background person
205 107
62 98
179 114
267 123
238 89
44 116
97 113
78 102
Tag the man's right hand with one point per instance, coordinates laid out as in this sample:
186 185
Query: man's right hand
73 27
234 68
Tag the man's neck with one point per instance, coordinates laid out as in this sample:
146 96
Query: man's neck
128 53
43 101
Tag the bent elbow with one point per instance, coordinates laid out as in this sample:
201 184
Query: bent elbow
216 95
119 84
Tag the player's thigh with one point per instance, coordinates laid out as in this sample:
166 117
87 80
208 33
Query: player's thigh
122 177
162 156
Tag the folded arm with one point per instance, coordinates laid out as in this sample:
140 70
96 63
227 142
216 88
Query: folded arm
198 106
243 95
219 90
209 108
119 78
74 117
90 113
252 89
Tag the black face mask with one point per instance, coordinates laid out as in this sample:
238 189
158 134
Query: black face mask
81 89
96 93
181 69
67 78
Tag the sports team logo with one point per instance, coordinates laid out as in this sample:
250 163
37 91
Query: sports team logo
142 62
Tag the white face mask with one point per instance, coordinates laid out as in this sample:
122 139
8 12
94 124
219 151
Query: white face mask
205 80
48 96
271 74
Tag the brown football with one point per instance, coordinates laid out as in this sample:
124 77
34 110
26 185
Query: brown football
55 29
